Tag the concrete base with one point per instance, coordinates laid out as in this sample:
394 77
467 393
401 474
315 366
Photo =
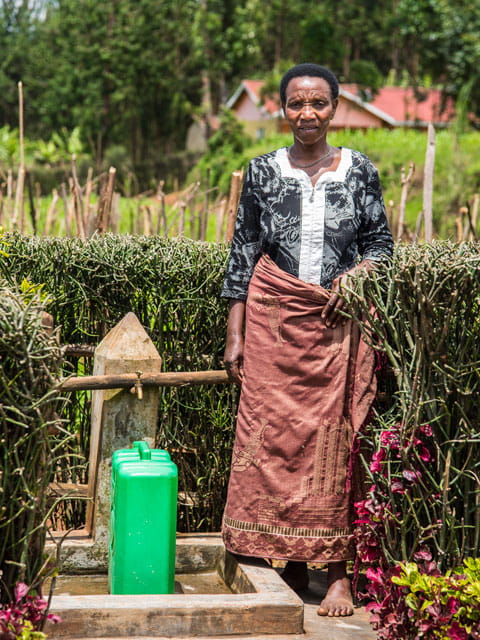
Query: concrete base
79 554
260 602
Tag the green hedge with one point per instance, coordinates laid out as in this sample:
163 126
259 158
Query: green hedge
173 288
427 325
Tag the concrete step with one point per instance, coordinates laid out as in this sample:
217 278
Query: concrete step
355 627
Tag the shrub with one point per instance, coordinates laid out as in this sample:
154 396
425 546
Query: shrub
426 328
32 435
426 440
414 600
173 287
422 449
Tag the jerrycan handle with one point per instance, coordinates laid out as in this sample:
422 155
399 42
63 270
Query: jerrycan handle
143 449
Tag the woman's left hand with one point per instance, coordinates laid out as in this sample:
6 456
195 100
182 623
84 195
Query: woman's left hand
336 303
330 313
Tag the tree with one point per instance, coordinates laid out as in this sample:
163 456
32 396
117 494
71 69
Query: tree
17 35
442 40
122 72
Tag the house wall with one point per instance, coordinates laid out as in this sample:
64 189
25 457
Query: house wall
246 110
350 116
257 123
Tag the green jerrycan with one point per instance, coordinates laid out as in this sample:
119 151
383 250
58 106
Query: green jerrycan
143 521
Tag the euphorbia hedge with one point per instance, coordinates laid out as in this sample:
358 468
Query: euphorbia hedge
422 448
425 435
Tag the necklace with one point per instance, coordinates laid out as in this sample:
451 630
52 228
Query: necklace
306 166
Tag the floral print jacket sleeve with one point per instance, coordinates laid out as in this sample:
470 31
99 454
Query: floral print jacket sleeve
314 233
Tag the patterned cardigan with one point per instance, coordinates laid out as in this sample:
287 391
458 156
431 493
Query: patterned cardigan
313 233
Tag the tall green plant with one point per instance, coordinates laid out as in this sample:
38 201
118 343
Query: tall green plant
173 287
32 439
426 325
425 471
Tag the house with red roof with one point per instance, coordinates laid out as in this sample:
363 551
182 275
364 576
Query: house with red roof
391 107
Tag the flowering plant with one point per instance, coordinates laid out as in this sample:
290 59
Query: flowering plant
417 601
23 618
401 515
421 313
398 520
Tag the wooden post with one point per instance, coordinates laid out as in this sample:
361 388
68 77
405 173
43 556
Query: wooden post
31 199
105 203
182 207
118 416
473 230
206 204
63 192
18 210
161 217
116 214
88 218
428 184
10 200
405 180
147 220
71 207
233 199
51 213
461 215
78 206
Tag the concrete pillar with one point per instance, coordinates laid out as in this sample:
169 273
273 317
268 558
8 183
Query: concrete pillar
118 416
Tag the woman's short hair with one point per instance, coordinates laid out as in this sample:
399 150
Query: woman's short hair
311 70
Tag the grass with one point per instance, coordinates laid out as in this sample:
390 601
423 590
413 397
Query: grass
456 180
457 168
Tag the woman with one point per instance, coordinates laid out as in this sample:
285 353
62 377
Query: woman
307 215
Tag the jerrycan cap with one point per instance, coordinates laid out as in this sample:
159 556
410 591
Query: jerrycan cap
143 449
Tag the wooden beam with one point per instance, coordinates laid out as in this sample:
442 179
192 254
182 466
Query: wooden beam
68 489
130 380
80 350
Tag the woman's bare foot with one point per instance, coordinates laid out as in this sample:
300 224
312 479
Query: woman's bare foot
338 601
295 575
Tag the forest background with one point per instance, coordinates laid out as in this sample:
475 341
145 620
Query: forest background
129 77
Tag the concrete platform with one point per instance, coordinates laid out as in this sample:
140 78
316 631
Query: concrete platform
355 627
259 600
260 606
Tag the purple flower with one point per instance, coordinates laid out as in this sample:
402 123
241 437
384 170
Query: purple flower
397 487
424 454
427 430
389 439
377 461
411 476
456 632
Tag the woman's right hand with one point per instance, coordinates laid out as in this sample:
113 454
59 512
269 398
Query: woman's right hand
233 356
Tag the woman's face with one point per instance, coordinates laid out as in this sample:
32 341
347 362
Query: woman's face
309 108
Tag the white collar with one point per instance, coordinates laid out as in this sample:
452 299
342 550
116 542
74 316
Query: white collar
338 175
